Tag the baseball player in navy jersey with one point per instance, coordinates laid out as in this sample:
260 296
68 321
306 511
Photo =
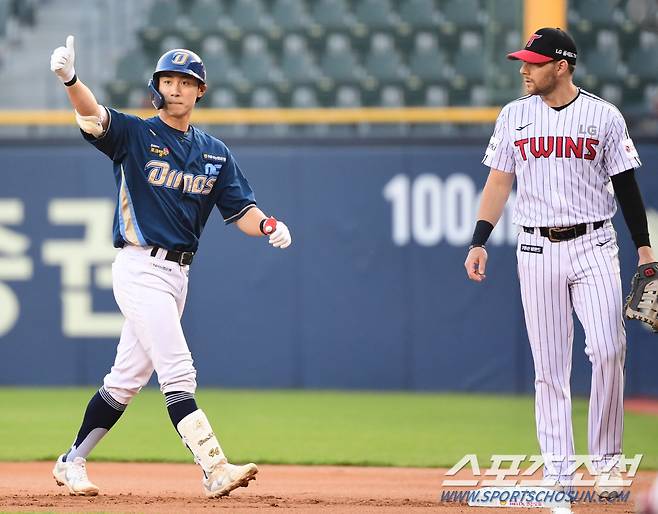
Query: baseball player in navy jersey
169 176
566 147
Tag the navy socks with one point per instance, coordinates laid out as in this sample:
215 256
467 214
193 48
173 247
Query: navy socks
179 405
102 413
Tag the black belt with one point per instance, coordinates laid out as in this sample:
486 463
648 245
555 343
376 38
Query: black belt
182 258
556 234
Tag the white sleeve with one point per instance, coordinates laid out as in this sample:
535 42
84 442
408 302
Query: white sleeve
500 154
619 151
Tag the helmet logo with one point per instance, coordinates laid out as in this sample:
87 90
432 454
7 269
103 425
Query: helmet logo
180 58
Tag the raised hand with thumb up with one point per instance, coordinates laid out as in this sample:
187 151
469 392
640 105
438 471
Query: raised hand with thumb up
62 59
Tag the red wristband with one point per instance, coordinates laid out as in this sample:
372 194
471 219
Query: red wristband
268 225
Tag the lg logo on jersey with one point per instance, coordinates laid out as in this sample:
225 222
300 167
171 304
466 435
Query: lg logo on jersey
558 146
591 130
160 174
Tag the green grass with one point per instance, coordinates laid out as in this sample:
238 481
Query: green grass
303 427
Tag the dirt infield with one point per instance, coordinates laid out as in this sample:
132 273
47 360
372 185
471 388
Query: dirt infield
176 488
641 405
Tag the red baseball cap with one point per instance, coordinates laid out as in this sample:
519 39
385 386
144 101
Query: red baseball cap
547 44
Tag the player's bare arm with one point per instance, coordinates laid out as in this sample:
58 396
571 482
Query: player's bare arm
256 223
91 117
645 255
494 197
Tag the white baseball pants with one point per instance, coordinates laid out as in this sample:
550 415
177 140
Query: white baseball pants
150 292
556 278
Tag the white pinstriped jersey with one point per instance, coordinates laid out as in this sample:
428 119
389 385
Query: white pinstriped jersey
563 159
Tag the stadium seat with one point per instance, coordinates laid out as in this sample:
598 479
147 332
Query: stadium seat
236 38
264 98
223 98
643 60
329 15
512 42
612 93
480 96
383 62
426 61
469 61
603 67
297 62
304 97
250 16
164 18
599 13
419 14
290 15
205 15
376 15
607 41
339 62
256 64
505 15
220 68
389 97
348 97
462 14
651 98
506 77
170 42
436 96
134 68
641 12
163 14
213 45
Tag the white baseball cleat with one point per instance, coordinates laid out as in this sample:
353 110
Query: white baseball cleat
74 476
609 485
227 477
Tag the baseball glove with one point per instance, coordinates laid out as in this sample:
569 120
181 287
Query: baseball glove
642 301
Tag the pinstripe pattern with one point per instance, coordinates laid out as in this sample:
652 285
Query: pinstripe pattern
553 189
563 160
582 276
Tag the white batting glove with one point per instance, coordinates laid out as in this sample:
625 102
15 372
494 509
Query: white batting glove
280 238
61 61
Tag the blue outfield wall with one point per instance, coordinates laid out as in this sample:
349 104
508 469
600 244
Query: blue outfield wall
372 294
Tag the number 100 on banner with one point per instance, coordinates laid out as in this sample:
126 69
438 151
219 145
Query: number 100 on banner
428 210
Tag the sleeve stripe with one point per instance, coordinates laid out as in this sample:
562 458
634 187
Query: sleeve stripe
240 214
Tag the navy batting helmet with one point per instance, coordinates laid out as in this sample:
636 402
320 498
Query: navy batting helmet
178 60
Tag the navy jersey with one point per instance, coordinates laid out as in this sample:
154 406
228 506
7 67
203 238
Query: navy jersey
168 181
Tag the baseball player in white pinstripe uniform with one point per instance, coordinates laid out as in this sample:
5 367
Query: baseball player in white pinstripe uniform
571 154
